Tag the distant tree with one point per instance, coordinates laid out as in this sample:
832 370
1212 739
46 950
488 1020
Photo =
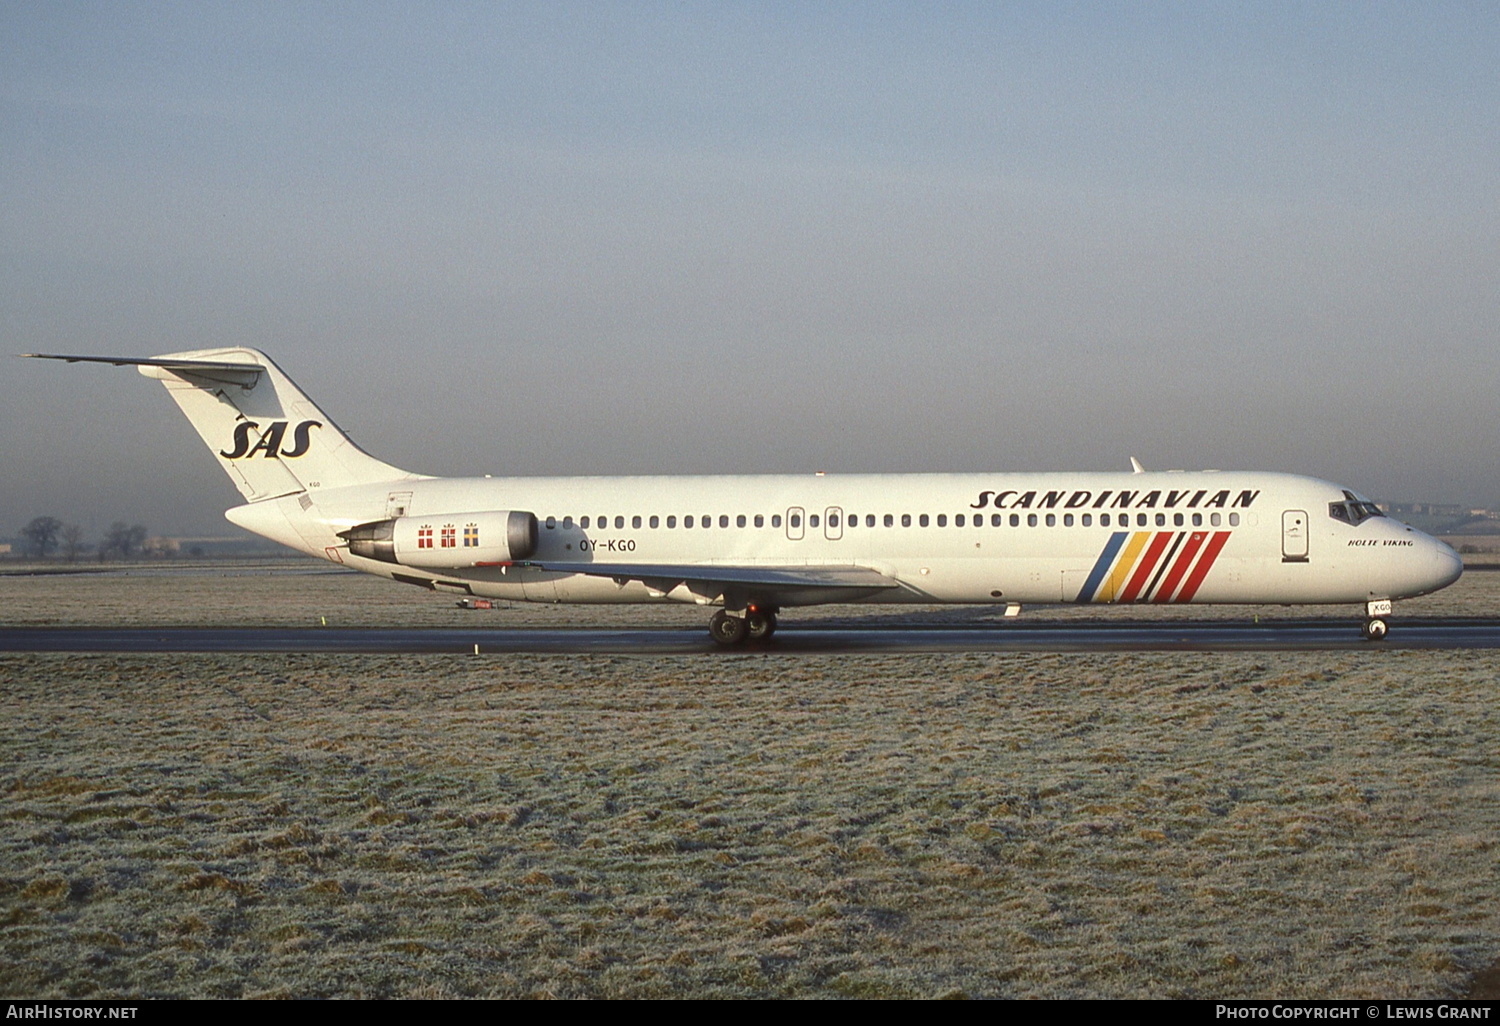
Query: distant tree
42 533
72 541
121 540
114 538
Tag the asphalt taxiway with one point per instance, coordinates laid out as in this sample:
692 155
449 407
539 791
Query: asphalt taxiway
1117 636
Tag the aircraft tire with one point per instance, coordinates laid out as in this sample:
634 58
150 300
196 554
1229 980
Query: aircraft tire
726 629
1375 630
759 626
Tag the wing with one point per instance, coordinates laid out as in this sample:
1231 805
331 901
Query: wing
770 585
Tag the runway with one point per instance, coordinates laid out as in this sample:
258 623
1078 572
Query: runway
1119 636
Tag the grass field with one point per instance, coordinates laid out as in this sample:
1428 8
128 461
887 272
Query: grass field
989 825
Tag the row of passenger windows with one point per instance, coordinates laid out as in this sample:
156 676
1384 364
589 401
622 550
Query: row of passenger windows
852 520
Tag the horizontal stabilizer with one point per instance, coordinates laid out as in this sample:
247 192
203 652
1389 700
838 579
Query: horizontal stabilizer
224 372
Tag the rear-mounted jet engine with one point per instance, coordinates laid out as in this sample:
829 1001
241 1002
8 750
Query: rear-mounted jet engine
448 541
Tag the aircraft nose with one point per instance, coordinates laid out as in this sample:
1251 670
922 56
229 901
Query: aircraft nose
1444 565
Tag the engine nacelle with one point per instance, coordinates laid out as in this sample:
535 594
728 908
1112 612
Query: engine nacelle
446 541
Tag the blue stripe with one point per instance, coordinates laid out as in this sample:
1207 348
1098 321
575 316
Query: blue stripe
1107 557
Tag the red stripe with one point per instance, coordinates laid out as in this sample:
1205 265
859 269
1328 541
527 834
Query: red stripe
1210 553
1179 566
1148 561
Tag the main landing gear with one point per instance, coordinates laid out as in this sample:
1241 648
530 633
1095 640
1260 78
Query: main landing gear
1375 628
727 628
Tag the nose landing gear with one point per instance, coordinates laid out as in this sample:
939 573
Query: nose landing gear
1375 613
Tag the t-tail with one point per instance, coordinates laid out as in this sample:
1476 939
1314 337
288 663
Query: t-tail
269 437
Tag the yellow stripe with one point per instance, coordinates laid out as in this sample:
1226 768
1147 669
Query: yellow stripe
1123 565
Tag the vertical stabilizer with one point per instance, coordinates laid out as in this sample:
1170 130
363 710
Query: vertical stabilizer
269 437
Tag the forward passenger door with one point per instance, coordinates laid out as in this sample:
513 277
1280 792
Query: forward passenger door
1294 536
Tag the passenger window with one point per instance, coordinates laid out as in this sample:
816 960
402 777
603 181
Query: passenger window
686 522
760 520
833 520
775 519
671 521
958 520
1088 520
1051 519
796 520
942 520
1015 520
1234 520
1140 520
739 521
869 519
922 520
1197 519
890 521
1161 520
584 523
551 523
812 520
1176 519
1031 520
1103 519
1213 519
997 519
906 520
706 521
1067 520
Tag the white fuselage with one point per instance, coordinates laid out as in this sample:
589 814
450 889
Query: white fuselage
755 543
1204 537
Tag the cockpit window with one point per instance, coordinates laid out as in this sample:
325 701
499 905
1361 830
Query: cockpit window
1352 510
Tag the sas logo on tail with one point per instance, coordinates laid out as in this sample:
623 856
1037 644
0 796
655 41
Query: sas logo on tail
270 443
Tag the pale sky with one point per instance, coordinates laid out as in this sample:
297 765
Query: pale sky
679 238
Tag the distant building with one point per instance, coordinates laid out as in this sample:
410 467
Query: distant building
159 548
1425 509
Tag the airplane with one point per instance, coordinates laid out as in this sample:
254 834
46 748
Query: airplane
753 545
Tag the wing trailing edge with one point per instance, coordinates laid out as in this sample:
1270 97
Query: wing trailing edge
766 583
